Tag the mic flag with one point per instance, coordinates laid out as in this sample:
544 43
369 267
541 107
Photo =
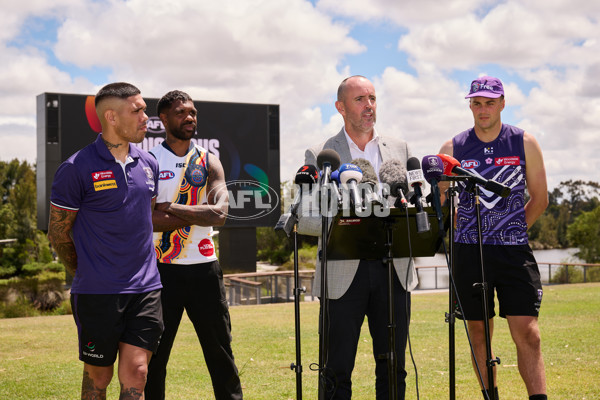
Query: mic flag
416 180
305 178
433 169
307 174
328 160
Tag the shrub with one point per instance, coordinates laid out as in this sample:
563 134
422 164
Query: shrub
567 274
7 271
20 308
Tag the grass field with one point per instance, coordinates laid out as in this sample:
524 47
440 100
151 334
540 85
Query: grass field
38 355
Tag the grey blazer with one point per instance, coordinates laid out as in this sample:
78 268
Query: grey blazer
340 273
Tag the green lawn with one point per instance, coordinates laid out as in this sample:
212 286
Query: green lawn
38 355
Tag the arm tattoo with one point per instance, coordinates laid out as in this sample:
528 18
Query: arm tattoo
59 229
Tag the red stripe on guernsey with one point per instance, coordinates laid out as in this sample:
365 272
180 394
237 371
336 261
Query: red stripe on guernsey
63 207
102 175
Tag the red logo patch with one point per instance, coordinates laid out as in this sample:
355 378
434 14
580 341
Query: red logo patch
206 248
514 160
102 175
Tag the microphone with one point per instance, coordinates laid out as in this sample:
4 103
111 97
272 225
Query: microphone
415 180
393 173
368 181
452 165
335 176
350 175
327 160
433 169
305 178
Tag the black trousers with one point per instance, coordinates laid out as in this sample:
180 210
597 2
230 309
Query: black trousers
367 296
199 289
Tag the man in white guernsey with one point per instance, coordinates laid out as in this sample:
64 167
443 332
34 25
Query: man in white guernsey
192 198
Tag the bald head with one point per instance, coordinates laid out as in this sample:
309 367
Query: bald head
343 88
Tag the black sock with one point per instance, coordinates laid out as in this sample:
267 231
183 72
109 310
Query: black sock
538 397
496 393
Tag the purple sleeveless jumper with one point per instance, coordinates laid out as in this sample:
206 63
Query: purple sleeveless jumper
502 160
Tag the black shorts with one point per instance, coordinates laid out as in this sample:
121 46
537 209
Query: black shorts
509 270
105 320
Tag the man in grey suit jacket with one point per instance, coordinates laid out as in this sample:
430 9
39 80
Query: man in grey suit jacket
358 288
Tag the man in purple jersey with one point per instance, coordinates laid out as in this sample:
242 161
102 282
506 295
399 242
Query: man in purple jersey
101 227
511 156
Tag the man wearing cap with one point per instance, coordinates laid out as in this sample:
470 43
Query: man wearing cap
513 157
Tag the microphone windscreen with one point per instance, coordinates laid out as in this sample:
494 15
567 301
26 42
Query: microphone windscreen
393 173
307 174
367 169
433 168
329 156
413 164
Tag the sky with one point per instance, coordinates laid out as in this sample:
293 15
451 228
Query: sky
421 56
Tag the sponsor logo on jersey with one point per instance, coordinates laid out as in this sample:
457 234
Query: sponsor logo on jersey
468 164
166 175
104 180
206 248
513 160
103 185
102 175
488 150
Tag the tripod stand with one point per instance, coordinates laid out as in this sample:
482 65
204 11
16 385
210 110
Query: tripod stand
453 298
289 223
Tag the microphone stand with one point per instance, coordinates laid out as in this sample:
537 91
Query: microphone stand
283 224
490 363
392 362
451 315
324 303
297 368
482 286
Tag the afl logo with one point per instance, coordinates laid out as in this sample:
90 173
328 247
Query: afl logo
166 175
155 125
468 164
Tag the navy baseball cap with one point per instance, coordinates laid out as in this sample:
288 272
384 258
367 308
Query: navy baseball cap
486 86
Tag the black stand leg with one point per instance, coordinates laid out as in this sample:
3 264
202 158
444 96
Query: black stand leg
324 300
451 315
392 361
483 286
297 367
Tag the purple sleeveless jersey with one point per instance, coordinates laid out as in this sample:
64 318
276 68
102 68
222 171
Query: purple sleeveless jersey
502 160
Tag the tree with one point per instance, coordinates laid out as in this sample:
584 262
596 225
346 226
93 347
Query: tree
584 233
18 216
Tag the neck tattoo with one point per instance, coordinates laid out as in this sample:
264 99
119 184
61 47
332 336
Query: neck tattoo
110 145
